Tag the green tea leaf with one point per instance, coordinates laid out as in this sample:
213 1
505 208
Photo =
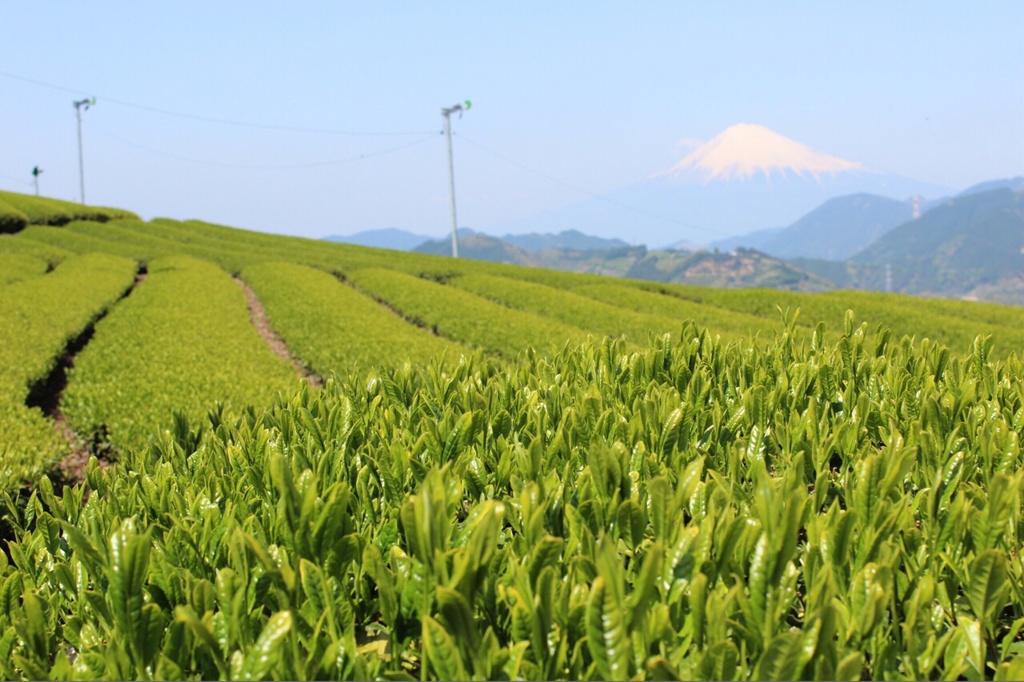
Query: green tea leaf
988 586
266 652
442 654
607 637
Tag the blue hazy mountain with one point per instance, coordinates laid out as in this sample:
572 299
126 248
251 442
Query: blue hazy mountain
977 237
1012 184
969 246
387 238
837 229
402 240
751 240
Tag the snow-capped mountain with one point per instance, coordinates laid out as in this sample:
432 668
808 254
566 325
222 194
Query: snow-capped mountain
747 178
745 151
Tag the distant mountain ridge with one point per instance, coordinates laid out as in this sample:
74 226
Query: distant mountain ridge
970 240
387 238
567 239
402 240
750 240
837 229
476 246
969 246
1013 184
739 268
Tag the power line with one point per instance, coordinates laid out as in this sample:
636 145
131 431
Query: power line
295 166
583 190
424 136
14 179
219 121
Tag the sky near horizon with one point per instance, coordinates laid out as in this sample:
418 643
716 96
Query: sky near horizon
321 118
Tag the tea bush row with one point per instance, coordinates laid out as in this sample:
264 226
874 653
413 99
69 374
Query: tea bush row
16 266
39 316
332 327
182 342
462 316
590 314
19 210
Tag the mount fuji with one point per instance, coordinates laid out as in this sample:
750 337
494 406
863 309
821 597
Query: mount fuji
746 178
745 151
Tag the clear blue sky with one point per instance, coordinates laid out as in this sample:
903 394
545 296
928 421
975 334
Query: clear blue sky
595 95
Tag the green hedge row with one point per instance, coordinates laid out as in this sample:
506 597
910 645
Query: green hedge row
11 219
17 266
39 316
731 325
939 320
44 211
462 316
591 314
18 245
182 342
332 327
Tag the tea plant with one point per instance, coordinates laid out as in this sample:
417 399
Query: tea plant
17 245
902 315
155 240
793 508
11 219
16 266
64 239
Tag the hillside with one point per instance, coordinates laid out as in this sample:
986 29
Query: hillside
735 269
837 229
966 247
20 210
815 253
573 240
234 455
740 268
475 246
1013 184
307 286
967 243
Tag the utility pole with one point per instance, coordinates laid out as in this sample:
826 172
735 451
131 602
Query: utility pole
36 172
79 105
447 113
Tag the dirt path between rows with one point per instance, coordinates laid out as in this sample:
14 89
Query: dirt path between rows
415 321
46 394
262 325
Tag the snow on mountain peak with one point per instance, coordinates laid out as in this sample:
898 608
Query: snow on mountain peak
744 150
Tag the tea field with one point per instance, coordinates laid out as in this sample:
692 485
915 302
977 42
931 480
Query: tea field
509 473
